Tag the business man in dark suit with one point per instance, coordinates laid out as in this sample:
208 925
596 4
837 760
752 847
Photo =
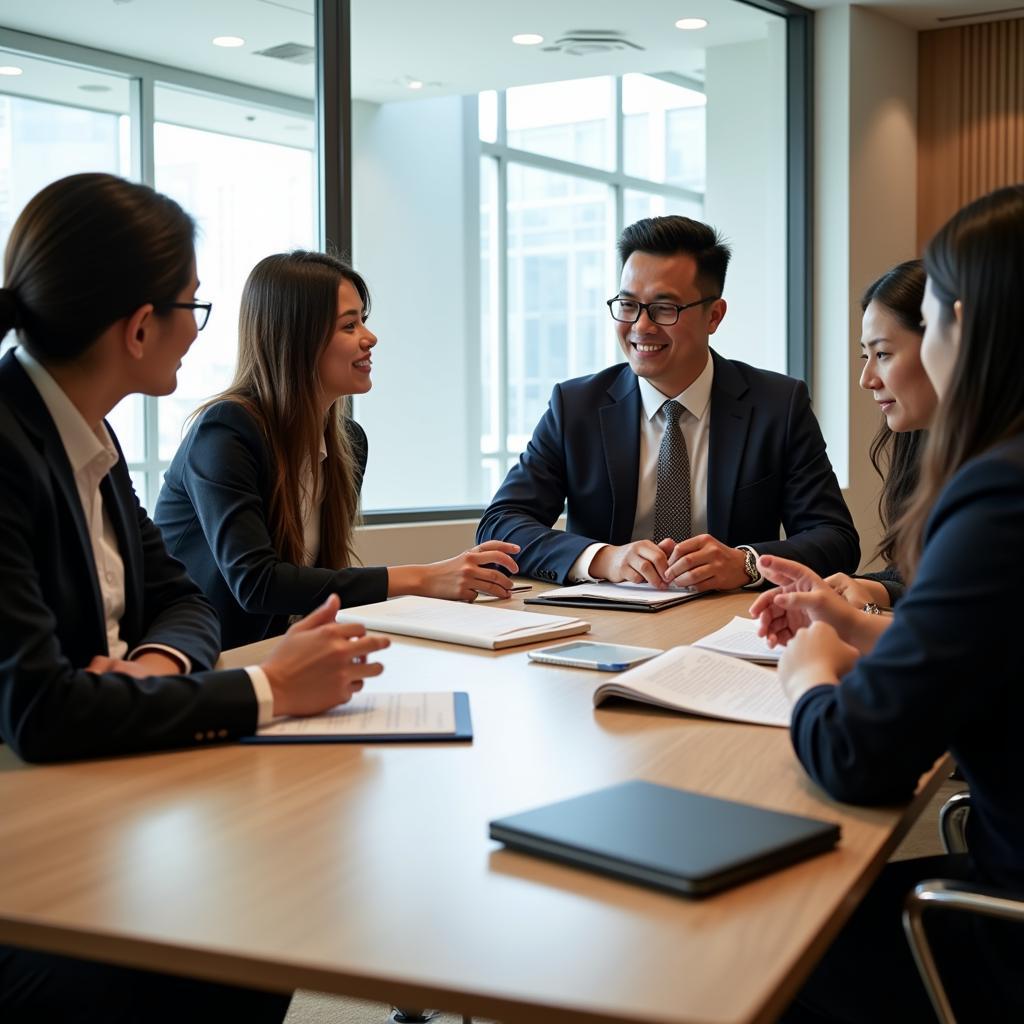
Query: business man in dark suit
680 466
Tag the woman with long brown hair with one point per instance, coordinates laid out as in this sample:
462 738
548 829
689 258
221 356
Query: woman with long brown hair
878 700
261 499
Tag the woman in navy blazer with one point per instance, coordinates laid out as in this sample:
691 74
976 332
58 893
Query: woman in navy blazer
261 499
877 700
106 645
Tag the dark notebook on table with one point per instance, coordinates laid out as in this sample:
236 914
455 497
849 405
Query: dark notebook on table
664 837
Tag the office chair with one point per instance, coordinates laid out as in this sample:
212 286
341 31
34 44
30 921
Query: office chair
938 894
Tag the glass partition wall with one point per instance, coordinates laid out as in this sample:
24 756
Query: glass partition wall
489 179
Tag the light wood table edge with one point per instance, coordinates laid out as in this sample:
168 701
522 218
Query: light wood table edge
275 976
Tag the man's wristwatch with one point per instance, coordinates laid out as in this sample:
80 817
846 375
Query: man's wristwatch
750 565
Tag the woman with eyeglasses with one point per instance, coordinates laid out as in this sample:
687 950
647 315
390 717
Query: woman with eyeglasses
878 700
106 645
261 500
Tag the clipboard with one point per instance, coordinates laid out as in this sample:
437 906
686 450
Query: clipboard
463 732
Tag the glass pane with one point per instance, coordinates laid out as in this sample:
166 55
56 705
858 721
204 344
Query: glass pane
141 490
637 205
55 120
663 131
248 177
128 420
487 115
560 271
572 120
425 215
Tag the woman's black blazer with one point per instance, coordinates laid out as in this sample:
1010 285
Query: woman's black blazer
51 612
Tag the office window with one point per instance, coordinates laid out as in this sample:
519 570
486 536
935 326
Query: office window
203 162
226 131
573 120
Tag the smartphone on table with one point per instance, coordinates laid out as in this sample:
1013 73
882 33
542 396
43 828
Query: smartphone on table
595 655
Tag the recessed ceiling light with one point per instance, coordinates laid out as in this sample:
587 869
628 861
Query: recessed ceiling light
230 42
10 70
527 39
691 24
414 83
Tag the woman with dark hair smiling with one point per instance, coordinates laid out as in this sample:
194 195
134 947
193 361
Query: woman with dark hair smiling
106 644
877 700
261 499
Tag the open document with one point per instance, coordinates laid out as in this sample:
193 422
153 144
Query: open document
457 623
632 597
739 639
703 683
376 718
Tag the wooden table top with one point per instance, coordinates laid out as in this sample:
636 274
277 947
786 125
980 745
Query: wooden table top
367 870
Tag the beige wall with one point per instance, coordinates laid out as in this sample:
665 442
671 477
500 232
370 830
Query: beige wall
865 219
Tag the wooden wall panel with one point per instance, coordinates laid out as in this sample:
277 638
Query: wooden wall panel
970 117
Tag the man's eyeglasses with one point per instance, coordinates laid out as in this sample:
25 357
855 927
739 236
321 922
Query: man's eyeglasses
664 314
200 310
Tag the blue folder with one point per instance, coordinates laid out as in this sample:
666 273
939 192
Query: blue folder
463 732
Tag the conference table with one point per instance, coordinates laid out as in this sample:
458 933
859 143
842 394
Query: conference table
367 870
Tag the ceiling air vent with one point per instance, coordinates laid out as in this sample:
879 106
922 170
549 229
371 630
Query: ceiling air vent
294 53
581 41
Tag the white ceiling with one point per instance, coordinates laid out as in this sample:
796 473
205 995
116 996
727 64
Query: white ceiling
454 46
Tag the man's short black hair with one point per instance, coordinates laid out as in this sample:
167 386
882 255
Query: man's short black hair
666 236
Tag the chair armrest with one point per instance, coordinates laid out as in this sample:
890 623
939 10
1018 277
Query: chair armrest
939 894
953 822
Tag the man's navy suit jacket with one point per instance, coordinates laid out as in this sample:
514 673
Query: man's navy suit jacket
52 613
767 468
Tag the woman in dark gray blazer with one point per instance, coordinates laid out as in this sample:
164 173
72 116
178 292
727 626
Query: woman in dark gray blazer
877 700
262 498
